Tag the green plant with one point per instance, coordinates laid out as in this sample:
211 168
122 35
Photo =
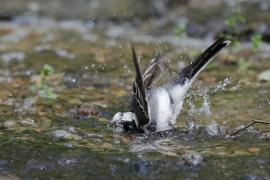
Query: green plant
180 30
235 19
42 88
232 23
256 42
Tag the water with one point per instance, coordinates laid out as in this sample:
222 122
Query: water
71 137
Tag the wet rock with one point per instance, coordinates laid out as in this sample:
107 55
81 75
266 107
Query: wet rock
72 79
156 146
71 129
9 123
28 104
65 134
67 162
264 76
192 159
43 48
265 136
142 166
62 134
142 148
93 135
28 122
121 159
85 111
69 145
15 36
7 58
33 165
212 129
8 102
64 54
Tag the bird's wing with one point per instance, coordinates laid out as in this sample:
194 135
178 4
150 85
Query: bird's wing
190 72
152 72
138 103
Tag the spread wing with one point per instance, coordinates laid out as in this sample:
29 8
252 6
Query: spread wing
138 103
152 72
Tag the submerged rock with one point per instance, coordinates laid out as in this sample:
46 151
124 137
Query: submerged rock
192 159
142 167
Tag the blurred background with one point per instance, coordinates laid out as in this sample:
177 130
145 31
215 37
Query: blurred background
193 17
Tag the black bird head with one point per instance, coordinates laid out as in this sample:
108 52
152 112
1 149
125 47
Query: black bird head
126 122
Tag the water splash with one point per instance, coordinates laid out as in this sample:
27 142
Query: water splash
222 86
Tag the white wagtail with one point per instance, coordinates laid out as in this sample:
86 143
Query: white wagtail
159 107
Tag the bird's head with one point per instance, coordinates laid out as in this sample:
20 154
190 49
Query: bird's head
126 121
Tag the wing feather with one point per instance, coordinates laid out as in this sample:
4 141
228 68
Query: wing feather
152 72
138 103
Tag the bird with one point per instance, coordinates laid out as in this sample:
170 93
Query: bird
155 109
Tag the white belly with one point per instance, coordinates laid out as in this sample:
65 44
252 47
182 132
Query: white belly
165 105
160 109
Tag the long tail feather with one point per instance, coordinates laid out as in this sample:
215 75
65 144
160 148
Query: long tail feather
201 61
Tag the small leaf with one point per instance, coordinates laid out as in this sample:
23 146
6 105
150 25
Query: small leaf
256 41
181 30
264 76
47 70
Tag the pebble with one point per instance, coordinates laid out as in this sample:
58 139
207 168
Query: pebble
9 123
33 164
67 162
12 56
64 54
63 134
192 159
69 145
212 129
27 122
265 136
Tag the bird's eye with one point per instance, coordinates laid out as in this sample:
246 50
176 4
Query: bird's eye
129 126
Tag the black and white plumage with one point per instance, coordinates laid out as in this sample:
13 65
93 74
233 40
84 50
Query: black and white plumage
159 107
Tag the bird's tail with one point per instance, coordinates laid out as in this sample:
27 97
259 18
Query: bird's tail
191 71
